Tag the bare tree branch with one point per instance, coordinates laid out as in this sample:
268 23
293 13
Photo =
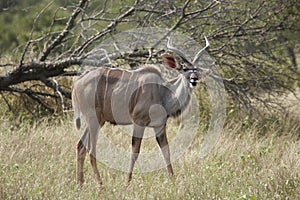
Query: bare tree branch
63 34
251 42
108 29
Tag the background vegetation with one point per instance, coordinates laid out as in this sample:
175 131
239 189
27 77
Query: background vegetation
255 49
44 42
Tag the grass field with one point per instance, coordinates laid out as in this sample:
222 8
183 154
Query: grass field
251 161
260 160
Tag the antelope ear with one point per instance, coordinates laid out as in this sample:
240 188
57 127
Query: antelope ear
170 61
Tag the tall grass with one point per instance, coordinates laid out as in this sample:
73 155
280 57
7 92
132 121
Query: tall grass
38 162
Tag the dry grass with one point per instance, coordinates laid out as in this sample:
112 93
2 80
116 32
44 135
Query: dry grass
38 162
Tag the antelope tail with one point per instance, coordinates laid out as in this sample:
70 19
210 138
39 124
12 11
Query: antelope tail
76 113
77 123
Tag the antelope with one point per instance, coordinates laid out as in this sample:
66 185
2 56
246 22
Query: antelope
140 97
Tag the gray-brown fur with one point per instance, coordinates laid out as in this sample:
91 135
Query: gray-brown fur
149 89
140 97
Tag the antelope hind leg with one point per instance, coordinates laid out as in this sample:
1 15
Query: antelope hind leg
81 153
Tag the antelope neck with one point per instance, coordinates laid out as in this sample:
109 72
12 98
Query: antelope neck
180 94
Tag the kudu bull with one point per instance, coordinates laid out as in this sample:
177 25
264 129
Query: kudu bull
139 97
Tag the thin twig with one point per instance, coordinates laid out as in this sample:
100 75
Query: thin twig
70 24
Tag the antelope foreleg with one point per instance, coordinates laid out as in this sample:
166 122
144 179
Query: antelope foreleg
135 150
161 138
136 144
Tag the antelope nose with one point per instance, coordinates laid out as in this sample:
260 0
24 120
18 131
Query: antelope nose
193 79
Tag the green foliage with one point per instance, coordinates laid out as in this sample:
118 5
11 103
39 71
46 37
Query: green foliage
17 19
251 41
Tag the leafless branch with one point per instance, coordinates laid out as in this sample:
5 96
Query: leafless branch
30 41
63 34
105 31
248 44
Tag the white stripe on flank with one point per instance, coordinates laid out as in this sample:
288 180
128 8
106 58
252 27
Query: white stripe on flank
106 85
128 84
123 72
